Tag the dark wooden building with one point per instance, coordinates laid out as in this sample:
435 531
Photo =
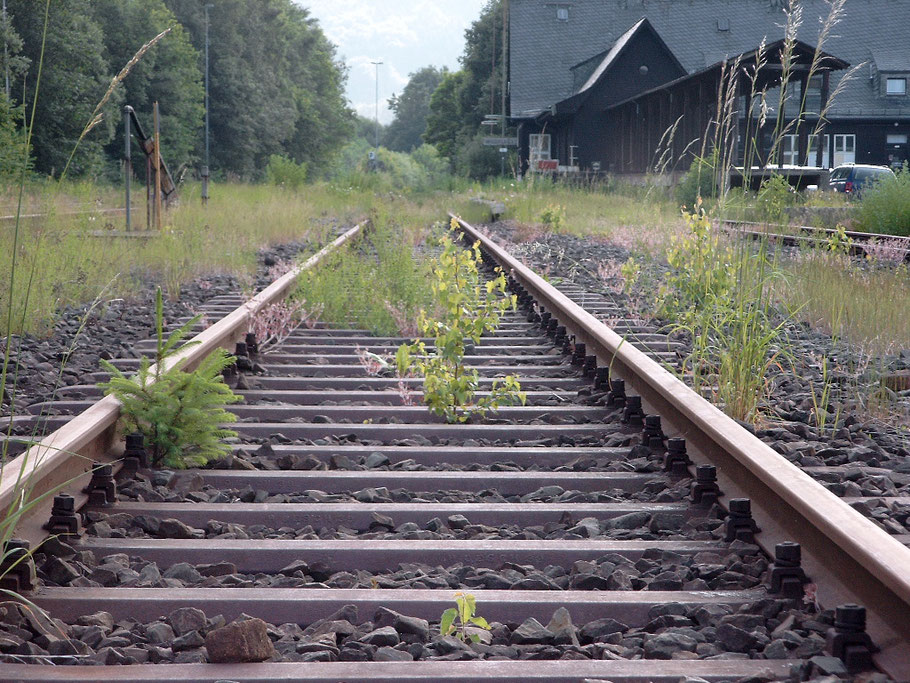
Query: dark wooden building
597 85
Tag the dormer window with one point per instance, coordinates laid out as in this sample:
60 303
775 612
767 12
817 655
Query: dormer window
895 86
562 13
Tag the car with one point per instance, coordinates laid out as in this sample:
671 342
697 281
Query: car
851 178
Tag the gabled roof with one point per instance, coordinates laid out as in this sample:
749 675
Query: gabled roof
619 46
893 59
609 59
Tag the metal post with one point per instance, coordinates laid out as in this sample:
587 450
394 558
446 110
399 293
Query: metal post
376 64
5 52
205 168
505 73
127 162
157 169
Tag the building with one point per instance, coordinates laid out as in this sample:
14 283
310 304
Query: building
599 85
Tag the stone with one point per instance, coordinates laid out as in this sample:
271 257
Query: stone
632 520
532 632
564 631
390 654
183 572
374 460
735 639
598 631
159 633
666 645
174 528
386 635
104 620
240 641
186 619
188 641
60 571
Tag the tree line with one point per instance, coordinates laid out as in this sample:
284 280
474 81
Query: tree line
276 85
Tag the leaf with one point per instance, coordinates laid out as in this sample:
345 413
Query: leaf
447 621
481 622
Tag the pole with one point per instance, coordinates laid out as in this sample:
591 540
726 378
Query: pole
127 162
205 168
157 169
376 64
5 51
505 75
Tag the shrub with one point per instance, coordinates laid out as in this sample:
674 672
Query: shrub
774 196
285 172
179 413
698 181
885 206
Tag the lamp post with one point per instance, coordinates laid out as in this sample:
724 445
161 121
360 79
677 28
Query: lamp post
5 52
205 167
377 64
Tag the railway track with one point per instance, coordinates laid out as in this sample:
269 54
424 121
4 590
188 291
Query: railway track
890 248
347 520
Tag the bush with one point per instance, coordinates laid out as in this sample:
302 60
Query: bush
285 172
885 205
698 181
774 196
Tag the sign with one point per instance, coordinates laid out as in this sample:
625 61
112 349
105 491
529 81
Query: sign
500 142
547 164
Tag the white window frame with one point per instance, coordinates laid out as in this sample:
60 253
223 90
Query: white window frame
539 146
900 82
562 14
826 151
844 149
896 139
789 150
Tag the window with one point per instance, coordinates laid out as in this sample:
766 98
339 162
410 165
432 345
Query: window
813 150
789 150
896 86
540 146
897 140
844 149
562 13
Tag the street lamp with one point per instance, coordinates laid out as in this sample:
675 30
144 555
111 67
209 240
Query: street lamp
205 168
377 64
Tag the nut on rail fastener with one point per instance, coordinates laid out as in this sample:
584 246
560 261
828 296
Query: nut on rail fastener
632 413
589 366
652 434
242 355
17 569
705 491
787 575
64 519
602 378
102 490
740 525
252 345
545 317
848 640
135 457
579 354
616 397
676 459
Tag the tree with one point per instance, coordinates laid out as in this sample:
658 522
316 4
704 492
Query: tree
74 80
12 134
411 108
169 73
444 122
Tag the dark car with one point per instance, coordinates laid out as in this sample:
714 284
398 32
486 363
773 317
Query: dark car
852 178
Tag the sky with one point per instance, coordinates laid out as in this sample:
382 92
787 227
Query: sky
403 34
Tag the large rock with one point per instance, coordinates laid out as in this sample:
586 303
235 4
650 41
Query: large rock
186 619
240 641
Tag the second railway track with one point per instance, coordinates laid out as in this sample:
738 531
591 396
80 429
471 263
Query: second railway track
347 520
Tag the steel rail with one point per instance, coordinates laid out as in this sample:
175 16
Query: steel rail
69 453
851 559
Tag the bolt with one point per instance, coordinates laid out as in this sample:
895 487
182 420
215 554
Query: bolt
848 639
589 367
633 414
617 394
602 378
242 362
676 459
787 576
101 490
740 525
552 326
544 319
135 452
652 435
561 336
63 518
705 490
578 354
252 345
17 569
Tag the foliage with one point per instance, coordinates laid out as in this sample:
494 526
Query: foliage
465 613
169 74
377 282
554 217
838 242
443 124
12 139
179 413
885 205
468 308
285 172
774 196
699 181
411 109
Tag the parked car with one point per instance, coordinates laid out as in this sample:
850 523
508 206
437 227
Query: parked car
851 179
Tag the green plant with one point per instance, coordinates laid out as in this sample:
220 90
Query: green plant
179 413
838 242
885 206
821 401
285 172
468 309
554 217
774 196
699 181
467 624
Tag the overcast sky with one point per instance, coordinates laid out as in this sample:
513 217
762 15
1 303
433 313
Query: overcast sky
403 34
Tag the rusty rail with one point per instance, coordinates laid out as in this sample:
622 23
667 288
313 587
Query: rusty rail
859 561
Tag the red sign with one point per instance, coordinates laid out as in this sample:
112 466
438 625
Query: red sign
547 164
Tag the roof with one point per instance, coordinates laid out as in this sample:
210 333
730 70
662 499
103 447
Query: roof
891 59
700 33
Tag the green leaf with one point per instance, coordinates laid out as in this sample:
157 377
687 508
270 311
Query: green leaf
447 621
